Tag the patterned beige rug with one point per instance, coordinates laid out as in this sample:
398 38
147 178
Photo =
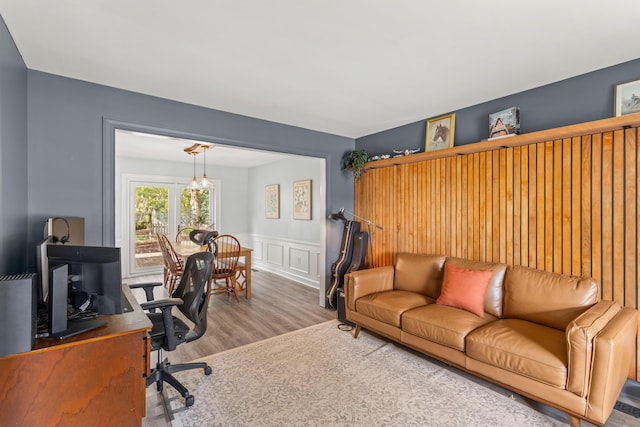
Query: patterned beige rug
321 376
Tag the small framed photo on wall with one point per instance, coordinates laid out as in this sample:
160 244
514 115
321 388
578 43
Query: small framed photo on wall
272 201
627 98
302 199
440 132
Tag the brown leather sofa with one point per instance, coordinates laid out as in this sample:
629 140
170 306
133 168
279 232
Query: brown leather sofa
543 335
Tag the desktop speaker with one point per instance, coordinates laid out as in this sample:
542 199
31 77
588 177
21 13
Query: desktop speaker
18 313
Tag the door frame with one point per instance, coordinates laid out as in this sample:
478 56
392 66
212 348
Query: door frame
111 124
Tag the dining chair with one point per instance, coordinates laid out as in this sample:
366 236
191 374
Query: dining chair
183 234
173 262
165 260
226 251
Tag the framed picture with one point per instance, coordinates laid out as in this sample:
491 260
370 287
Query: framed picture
504 123
440 132
272 201
302 199
628 98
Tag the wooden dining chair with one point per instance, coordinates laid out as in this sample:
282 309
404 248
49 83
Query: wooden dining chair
183 234
226 251
173 263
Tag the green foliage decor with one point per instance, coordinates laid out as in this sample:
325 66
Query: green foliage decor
354 162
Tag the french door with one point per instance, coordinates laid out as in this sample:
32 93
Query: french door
155 206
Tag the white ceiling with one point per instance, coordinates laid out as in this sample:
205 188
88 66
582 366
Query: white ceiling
347 67
155 147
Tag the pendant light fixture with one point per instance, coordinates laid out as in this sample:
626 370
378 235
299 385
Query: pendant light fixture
205 181
194 182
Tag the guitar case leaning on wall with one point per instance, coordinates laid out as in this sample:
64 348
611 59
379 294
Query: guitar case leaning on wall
359 257
339 268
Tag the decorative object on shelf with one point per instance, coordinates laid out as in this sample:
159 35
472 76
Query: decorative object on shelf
627 98
354 162
302 199
272 201
440 132
379 157
400 153
504 123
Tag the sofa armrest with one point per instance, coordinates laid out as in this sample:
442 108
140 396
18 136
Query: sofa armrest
580 334
364 282
613 352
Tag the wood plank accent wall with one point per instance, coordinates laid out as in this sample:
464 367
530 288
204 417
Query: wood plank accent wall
564 200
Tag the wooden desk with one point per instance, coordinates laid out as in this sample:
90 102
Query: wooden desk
184 249
92 379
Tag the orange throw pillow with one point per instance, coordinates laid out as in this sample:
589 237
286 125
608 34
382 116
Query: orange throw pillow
464 288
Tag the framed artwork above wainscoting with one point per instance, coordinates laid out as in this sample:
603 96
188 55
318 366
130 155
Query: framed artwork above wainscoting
272 201
302 199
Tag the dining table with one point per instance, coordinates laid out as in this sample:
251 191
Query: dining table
186 247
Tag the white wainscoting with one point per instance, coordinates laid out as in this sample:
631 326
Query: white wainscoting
292 259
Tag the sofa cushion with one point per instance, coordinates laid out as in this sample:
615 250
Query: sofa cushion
529 349
388 306
419 273
464 288
493 296
442 324
549 299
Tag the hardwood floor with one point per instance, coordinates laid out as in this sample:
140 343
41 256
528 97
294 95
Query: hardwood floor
277 305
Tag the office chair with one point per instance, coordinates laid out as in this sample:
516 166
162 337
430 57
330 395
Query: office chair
192 298
203 238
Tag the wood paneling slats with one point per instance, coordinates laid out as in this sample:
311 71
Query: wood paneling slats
607 215
482 202
576 202
476 207
630 222
586 171
556 245
637 277
541 177
566 206
509 239
618 245
596 208
533 193
502 200
549 206
496 205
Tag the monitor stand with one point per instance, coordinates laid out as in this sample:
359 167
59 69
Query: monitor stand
75 327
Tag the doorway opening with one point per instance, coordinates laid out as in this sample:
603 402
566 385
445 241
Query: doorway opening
156 163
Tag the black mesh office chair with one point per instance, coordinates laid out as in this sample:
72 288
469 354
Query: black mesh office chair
203 237
192 298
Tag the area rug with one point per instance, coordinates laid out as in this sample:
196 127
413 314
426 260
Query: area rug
321 376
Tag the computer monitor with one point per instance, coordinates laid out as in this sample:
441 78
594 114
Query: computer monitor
94 276
43 271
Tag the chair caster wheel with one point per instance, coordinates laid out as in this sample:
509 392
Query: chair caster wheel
207 370
189 400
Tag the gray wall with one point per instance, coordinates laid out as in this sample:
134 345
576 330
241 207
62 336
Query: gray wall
13 156
71 138
284 173
580 99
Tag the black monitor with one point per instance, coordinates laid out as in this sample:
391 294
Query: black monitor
95 278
